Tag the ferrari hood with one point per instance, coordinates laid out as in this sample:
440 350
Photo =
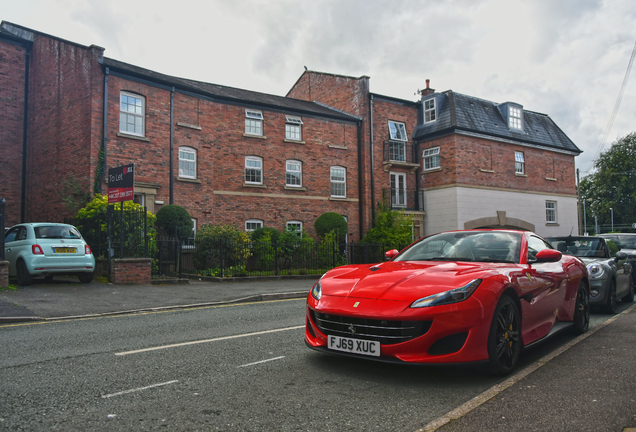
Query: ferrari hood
405 280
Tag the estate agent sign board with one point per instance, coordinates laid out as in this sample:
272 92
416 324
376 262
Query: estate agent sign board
121 183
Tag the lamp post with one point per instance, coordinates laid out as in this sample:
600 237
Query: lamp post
584 219
612 212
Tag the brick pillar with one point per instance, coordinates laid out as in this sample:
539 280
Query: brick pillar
4 274
131 271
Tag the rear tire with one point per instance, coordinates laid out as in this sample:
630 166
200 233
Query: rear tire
86 277
48 278
24 277
504 338
581 310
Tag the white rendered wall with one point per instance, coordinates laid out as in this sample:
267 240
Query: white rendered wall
450 208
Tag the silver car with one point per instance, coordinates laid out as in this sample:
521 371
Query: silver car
626 242
609 269
45 250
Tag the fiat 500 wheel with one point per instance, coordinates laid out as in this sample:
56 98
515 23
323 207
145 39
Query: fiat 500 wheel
85 277
24 277
582 310
504 338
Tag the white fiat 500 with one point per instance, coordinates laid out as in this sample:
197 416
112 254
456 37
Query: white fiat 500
46 250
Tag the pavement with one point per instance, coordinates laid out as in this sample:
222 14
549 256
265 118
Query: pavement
583 384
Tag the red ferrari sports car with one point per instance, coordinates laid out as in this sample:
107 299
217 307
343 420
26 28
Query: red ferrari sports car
452 297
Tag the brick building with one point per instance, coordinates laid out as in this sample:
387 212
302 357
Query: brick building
232 156
454 161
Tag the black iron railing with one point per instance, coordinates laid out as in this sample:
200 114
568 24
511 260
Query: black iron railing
403 199
398 151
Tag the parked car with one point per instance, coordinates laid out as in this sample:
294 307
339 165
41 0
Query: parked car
610 270
452 297
626 242
46 250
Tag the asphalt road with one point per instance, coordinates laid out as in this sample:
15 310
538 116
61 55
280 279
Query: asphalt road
232 368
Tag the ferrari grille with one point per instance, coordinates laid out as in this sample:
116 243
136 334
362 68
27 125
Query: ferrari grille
384 331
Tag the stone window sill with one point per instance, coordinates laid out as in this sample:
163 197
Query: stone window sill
520 175
140 138
486 171
338 147
293 141
254 136
295 188
188 125
188 180
258 186
550 179
432 170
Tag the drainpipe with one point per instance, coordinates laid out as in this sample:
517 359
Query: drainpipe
360 187
105 132
27 60
171 145
372 163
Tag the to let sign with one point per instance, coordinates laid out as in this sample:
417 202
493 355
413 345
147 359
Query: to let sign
121 183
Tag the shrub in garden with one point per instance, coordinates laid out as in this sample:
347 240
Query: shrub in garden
331 221
260 233
216 242
171 217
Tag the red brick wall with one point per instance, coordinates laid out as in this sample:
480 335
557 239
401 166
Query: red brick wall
219 195
133 271
352 96
62 134
12 65
4 274
383 111
475 161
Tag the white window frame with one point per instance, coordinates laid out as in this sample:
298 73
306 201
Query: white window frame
520 163
397 131
430 113
137 113
338 182
253 122
551 212
255 223
191 151
431 155
258 169
398 194
515 117
289 173
293 128
298 227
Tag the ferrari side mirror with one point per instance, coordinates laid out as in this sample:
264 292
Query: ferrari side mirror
548 255
391 253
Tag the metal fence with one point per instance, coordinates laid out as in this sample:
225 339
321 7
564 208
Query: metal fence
225 258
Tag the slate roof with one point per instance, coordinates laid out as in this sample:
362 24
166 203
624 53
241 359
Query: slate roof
459 112
230 94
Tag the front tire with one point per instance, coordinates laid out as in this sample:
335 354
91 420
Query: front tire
85 277
581 310
22 273
504 338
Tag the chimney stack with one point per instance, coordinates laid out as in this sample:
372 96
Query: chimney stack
428 90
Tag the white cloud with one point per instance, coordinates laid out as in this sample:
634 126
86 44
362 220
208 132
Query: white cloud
565 58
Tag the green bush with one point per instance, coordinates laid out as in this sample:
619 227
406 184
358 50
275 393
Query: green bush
392 228
216 242
260 233
172 216
330 221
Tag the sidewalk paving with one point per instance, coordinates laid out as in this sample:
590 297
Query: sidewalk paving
69 298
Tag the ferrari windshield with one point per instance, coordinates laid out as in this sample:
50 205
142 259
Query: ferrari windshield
480 246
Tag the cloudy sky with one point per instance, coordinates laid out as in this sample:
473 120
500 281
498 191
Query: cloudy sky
564 58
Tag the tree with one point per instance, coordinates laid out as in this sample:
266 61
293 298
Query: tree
392 228
613 185
171 217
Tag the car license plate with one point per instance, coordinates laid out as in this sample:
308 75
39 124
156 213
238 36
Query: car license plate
355 346
64 250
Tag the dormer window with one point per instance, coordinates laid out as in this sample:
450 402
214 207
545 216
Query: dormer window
515 119
429 110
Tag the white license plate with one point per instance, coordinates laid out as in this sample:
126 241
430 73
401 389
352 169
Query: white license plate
355 346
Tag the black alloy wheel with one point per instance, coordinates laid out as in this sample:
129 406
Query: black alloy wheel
24 277
582 310
504 339
610 306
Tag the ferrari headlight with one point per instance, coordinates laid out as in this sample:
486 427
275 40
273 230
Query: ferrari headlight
316 291
447 297
595 270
